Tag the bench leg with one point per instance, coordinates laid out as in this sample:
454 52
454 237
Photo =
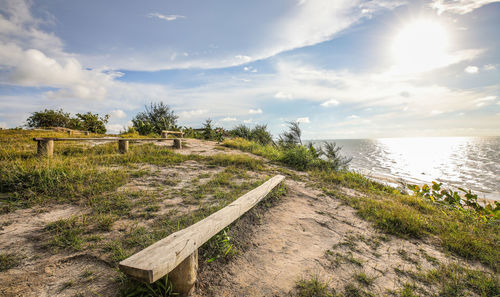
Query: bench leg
164 134
123 146
177 143
45 148
183 276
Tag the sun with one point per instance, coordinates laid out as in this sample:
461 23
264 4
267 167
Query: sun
421 45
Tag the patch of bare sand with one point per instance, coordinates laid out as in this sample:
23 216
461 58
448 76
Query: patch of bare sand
41 273
309 234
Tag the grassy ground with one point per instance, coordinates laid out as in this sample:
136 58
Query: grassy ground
401 214
90 178
113 223
409 217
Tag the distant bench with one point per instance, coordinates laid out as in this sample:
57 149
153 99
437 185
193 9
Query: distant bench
177 254
45 145
165 133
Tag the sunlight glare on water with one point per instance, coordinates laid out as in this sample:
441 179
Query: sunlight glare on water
469 162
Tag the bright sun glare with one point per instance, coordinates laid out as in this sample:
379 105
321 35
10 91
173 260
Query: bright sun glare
421 45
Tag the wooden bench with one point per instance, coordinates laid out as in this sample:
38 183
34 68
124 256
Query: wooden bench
177 254
45 145
164 133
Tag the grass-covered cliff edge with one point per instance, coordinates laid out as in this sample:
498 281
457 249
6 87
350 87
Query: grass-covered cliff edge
67 221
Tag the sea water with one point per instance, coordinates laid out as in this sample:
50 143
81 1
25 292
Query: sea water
467 162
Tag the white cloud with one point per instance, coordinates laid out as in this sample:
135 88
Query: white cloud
352 117
485 100
304 120
33 58
118 114
32 68
249 69
3 125
459 6
115 128
243 58
192 113
285 27
471 69
169 17
489 67
249 121
255 111
228 119
283 95
331 102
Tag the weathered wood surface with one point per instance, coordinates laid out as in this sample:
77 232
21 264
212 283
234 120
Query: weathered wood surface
100 139
177 143
123 146
164 133
45 148
157 260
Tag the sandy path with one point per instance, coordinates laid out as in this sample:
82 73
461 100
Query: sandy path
292 243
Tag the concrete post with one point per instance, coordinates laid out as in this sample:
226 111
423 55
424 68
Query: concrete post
177 143
164 134
45 148
86 133
183 276
123 146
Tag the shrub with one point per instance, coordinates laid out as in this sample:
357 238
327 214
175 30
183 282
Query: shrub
58 118
242 131
297 157
260 134
156 118
48 118
291 137
208 131
89 122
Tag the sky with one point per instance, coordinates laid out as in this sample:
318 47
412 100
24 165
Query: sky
342 68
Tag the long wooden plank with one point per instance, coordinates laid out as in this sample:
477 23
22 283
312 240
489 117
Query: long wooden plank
100 139
158 259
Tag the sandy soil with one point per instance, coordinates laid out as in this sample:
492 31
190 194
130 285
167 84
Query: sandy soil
310 234
306 234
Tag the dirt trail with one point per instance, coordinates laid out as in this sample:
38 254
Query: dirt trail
309 234
305 234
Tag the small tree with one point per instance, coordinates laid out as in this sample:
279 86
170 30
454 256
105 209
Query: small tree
292 137
241 131
156 118
208 130
48 118
332 153
261 135
91 122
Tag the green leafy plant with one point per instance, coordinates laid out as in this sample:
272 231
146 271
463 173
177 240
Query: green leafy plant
221 245
48 118
156 118
468 203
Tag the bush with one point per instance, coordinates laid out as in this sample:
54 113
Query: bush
48 118
58 118
208 130
261 135
242 131
292 137
156 118
258 134
89 122
297 157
